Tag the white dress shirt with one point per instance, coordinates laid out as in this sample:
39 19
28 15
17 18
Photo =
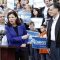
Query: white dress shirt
53 27
45 12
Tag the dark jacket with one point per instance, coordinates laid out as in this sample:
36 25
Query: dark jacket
42 9
57 33
13 39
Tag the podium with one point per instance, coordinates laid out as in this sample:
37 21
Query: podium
7 53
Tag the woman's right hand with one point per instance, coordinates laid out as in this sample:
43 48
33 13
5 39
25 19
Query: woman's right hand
25 36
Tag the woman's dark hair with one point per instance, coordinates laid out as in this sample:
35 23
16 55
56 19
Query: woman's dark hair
21 21
15 14
39 13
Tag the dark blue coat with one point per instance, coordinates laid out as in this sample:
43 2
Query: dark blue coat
12 38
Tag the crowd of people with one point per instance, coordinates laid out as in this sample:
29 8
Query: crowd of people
14 26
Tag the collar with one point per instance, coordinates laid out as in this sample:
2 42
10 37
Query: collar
56 18
46 7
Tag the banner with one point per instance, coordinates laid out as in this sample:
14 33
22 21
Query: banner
32 34
38 3
37 22
26 16
39 43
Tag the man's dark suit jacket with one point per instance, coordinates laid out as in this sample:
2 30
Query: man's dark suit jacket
42 9
57 33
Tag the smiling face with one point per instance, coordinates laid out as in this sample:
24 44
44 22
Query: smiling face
35 12
12 19
52 11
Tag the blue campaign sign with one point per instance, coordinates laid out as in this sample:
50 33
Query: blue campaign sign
32 33
39 43
26 16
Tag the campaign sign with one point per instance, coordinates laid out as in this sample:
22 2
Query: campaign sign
26 16
37 22
31 34
39 43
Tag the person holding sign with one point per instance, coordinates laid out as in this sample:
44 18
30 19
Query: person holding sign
33 51
43 34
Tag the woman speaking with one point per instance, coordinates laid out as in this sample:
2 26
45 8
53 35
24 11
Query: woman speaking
17 35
